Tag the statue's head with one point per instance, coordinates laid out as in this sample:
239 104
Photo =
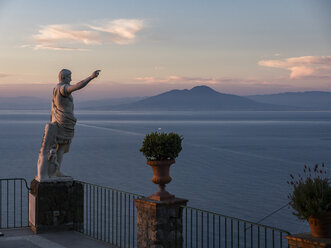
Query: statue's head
65 76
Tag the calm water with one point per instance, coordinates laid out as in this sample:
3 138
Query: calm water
234 163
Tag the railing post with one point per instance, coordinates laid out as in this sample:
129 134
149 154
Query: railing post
159 223
55 205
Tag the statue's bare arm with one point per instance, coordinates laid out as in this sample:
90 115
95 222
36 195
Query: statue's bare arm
83 83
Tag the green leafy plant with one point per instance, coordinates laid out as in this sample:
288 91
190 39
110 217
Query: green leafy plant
311 194
161 146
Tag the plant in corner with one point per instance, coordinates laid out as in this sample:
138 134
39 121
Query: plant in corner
160 150
311 199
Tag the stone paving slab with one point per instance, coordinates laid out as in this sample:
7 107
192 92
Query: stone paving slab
25 238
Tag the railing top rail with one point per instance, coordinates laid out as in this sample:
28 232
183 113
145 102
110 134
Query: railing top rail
238 219
16 179
104 187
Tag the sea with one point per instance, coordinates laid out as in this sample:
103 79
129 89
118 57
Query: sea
233 163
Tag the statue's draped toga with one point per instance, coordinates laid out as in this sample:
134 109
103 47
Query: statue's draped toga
62 113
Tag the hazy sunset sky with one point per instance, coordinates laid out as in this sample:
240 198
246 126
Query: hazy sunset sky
146 47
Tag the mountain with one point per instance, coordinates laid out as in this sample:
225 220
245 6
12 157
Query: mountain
105 104
24 103
35 103
309 100
198 98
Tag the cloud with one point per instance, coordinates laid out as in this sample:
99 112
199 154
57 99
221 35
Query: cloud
174 79
53 47
302 66
230 85
66 33
69 38
200 80
2 75
63 37
121 31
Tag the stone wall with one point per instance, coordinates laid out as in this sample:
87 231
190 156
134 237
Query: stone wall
159 223
306 240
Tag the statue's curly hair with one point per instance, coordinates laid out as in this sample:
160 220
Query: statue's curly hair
63 74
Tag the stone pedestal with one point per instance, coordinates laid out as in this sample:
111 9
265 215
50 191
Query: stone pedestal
306 240
55 205
159 223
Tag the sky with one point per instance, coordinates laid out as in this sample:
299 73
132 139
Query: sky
147 47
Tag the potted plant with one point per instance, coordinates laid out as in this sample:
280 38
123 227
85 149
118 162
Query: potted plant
160 150
311 199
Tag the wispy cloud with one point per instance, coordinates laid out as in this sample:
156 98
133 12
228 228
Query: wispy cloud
231 85
53 47
120 31
65 33
71 38
63 37
302 66
201 80
2 75
174 79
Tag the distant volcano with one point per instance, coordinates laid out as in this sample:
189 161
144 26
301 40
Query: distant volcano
198 98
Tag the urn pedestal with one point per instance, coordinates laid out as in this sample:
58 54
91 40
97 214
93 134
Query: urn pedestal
306 240
160 223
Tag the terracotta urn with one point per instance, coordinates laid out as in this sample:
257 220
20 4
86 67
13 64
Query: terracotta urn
161 177
321 226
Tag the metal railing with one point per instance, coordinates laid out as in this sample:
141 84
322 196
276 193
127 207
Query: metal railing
14 203
207 229
109 215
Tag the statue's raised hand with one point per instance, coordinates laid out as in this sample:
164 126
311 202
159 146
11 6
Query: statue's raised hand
96 73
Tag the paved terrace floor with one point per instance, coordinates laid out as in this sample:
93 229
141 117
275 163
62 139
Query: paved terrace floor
25 238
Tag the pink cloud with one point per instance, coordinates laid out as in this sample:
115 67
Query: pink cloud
2 75
121 31
53 33
151 79
301 71
58 37
66 37
302 66
198 80
53 47
174 79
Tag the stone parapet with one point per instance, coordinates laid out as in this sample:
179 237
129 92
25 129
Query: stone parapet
306 240
55 205
159 223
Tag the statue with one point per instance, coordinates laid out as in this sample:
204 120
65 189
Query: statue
60 131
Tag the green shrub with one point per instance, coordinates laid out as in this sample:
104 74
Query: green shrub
311 194
161 146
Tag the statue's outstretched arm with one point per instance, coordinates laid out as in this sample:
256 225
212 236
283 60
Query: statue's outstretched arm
83 83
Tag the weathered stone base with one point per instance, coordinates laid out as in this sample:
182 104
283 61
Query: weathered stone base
306 240
56 205
159 223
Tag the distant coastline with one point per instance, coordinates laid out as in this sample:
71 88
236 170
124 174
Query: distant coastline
202 98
